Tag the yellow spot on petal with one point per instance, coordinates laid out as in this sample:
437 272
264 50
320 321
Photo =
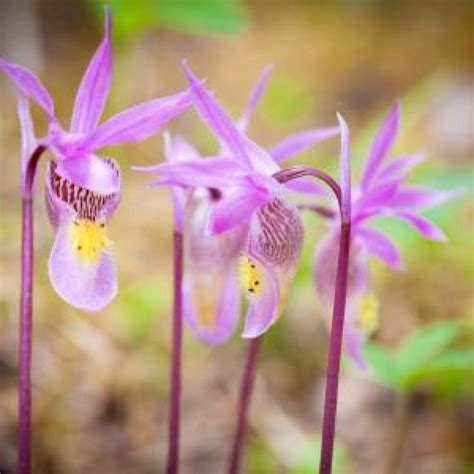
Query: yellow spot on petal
88 239
251 277
368 317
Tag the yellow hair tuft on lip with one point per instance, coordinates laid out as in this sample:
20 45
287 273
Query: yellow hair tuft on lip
251 276
88 239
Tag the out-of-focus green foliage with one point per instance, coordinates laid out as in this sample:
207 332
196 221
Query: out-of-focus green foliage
140 306
197 16
425 355
286 100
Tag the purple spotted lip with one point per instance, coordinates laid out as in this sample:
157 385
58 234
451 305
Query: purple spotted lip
249 224
83 188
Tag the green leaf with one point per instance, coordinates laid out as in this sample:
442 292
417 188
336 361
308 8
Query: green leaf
450 373
383 365
217 16
198 16
424 344
461 359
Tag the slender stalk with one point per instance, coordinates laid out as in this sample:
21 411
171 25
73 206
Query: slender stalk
334 357
26 317
244 402
172 466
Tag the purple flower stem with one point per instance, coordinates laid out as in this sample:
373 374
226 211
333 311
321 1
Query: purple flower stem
26 320
244 402
172 466
335 346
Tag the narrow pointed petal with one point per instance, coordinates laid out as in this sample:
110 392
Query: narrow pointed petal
95 86
179 149
418 198
424 226
379 195
216 119
379 245
301 142
90 172
382 144
179 194
213 173
263 307
400 166
258 90
29 85
345 170
214 116
85 284
28 140
139 122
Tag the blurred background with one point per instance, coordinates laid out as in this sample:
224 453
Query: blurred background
100 382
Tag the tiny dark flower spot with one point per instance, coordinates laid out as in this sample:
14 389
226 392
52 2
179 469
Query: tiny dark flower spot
256 283
251 290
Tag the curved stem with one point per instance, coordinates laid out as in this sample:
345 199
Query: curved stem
26 313
172 466
335 347
293 172
323 211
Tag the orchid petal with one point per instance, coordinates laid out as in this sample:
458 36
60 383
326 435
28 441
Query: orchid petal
241 148
138 122
235 208
258 90
300 142
419 198
216 119
222 325
179 194
28 140
91 172
345 170
325 268
379 245
87 285
424 226
382 144
353 344
29 85
214 173
262 311
212 298
400 166
95 86
180 150
65 197
379 195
